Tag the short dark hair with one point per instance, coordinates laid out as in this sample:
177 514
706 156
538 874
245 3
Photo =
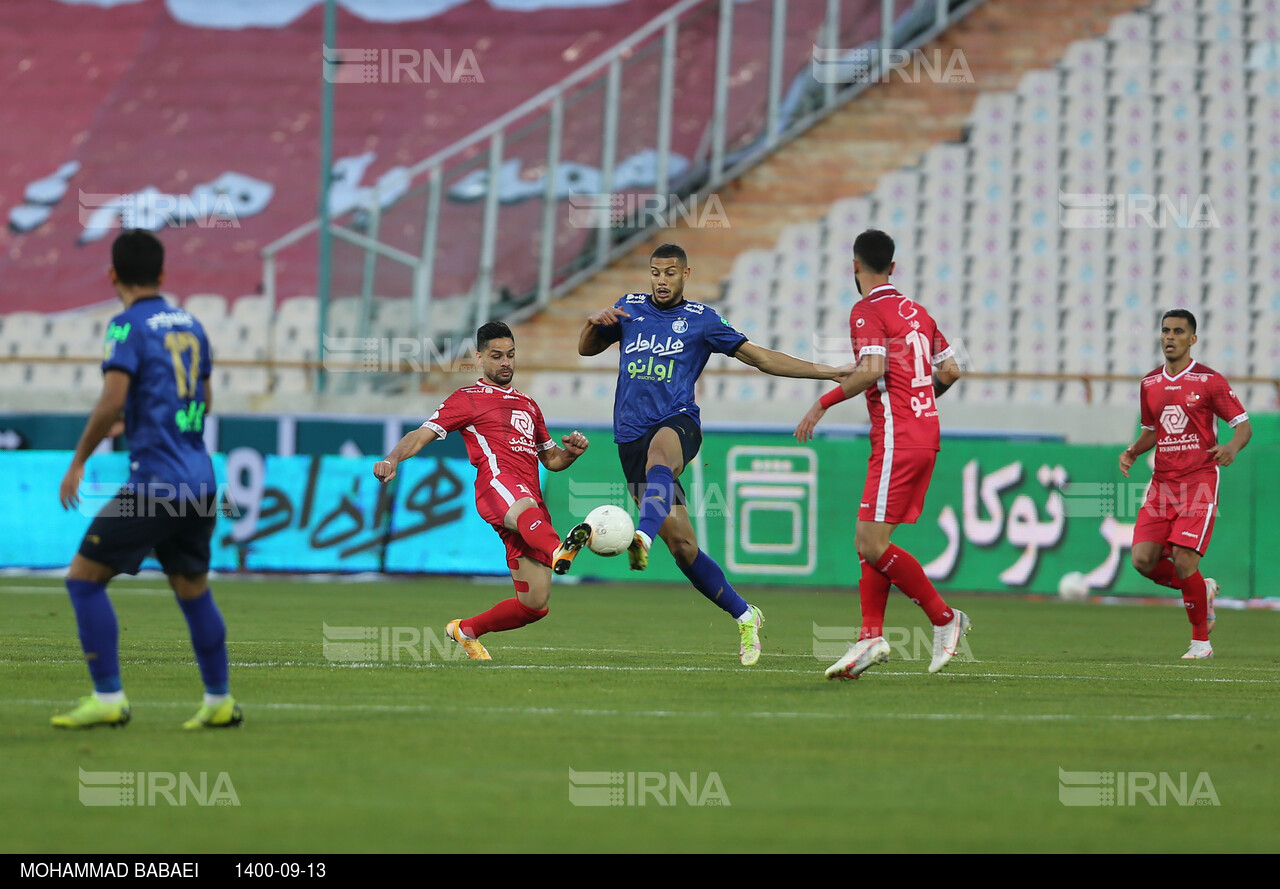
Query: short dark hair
670 251
874 249
1180 313
138 258
494 330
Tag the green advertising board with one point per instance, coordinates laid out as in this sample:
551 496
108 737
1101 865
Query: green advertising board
1001 515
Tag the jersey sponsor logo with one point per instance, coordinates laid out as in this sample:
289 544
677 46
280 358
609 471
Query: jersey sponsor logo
697 309
1174 419
907 309
523 423
191 418
922 404
177 318
659 372
680 325
118 333
633 298
642 343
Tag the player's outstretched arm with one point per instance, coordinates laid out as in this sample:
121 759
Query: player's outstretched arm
560 458
1225 454
385 470
106 413
595 338
780 364
945 376
1146 441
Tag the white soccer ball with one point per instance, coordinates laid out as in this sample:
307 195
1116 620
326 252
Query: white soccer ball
1073 587
611 530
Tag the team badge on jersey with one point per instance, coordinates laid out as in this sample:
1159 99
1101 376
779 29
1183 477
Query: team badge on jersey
523 423
680 325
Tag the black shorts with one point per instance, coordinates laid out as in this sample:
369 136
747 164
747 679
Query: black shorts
142 518
635 454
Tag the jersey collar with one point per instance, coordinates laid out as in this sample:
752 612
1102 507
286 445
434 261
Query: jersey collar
483 382
1165 370
885 291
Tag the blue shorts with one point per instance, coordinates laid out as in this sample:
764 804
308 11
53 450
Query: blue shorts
635 454
137 521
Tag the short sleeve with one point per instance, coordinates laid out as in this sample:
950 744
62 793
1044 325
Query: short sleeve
1225 403
541 437
721 335
457 411
206 357
612 333
1148 418
123 347
867 333
941 348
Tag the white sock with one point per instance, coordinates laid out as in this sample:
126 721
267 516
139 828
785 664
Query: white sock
648 542
110 697
214 700
747 616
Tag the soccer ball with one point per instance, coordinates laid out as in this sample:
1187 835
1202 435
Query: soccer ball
611 530
1073 587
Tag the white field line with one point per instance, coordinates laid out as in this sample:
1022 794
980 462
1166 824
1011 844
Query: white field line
616 668
701 714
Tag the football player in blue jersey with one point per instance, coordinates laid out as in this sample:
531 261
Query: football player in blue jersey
156 375
664 343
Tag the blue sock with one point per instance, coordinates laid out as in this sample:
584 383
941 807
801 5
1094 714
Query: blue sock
209 639
99 633
708 578
659 492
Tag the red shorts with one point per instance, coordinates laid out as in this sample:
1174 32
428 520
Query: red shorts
896 486
493 504
1180 513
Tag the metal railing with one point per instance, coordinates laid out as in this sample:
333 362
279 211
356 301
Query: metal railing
519 251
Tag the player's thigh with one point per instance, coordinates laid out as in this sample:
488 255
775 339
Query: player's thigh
511 520
533 582
665 449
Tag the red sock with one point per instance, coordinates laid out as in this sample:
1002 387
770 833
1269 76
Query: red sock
535 527
1196 598
906 574
1166 575
873 589
509 614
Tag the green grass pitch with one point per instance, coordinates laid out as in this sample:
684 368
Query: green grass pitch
410 750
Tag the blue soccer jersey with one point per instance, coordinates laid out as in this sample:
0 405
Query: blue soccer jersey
165 352
662 353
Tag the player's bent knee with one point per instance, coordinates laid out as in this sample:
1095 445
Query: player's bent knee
188 586
82 568
1143 564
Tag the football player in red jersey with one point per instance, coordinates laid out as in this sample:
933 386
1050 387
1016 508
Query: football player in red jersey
904 364
506 438
1181 403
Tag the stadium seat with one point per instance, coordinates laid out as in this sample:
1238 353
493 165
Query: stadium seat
290 381
206 307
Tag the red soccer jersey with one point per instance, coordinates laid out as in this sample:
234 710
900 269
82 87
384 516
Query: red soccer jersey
504 432
1183 411
902 407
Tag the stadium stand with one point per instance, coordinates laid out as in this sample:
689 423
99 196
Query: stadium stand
1169 114
1162 120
